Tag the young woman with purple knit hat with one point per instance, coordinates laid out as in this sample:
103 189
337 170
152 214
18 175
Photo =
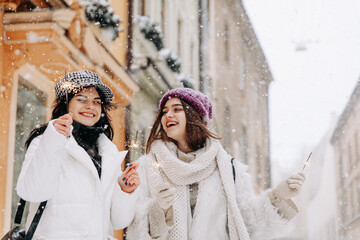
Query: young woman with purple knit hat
192 189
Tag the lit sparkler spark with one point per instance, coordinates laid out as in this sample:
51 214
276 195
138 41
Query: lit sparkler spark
306 162
158 175
158 165
69 87
135 144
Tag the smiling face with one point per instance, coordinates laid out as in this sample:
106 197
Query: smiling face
173 120
86 106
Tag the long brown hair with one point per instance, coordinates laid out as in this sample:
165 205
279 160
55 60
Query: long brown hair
196 129
60 108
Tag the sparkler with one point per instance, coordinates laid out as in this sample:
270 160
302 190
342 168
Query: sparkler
67 95
134 144
306 163
157 166
68 86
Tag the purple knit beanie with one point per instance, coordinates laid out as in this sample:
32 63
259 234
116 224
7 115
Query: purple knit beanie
196 99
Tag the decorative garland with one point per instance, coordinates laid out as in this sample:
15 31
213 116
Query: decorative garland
151 31
100 12
186 81
172 60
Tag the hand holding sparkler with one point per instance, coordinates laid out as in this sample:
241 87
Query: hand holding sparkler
288 188
129 180
281 196
63 124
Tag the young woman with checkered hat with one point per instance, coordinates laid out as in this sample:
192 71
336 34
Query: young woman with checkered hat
72 164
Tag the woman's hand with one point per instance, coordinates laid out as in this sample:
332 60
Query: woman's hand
63 124
290 187
130 179
165 195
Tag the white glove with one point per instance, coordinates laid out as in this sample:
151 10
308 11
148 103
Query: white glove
165 195
290 187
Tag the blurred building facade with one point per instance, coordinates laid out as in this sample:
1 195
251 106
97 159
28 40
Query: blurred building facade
40 41
207 45
210 46
238 83
321 204
317 202
346 140
164 55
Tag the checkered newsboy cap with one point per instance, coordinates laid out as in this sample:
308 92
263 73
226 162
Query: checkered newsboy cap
81 79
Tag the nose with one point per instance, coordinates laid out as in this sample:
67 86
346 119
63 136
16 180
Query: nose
169 114
90 105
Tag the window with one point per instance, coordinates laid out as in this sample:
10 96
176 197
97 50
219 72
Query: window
348 205
29 114
256 98
350 159
226 44
258 165
356 146
179 39
243 145
227 128
141 7
355 204
242 74
163 20
192 67
358 194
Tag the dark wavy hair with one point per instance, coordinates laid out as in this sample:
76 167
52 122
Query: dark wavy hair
60 108
196 129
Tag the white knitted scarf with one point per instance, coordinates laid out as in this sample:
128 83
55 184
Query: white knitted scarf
168 168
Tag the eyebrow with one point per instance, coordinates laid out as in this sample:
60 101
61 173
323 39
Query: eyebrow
174 105
80 95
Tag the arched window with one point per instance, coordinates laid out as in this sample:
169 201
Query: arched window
30 112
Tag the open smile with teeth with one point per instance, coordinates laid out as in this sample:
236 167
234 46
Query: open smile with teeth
87 114
171 124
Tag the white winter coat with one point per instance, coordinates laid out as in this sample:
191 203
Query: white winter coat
210 214
80 205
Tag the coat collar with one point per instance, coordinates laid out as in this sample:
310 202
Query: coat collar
111 157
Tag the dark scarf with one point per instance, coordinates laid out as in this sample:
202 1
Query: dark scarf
87 138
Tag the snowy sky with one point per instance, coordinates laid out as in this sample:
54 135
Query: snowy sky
308 85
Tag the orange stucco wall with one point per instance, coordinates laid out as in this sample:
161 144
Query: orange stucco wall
16 51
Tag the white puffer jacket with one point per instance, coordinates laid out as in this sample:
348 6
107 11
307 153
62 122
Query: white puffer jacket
80 205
